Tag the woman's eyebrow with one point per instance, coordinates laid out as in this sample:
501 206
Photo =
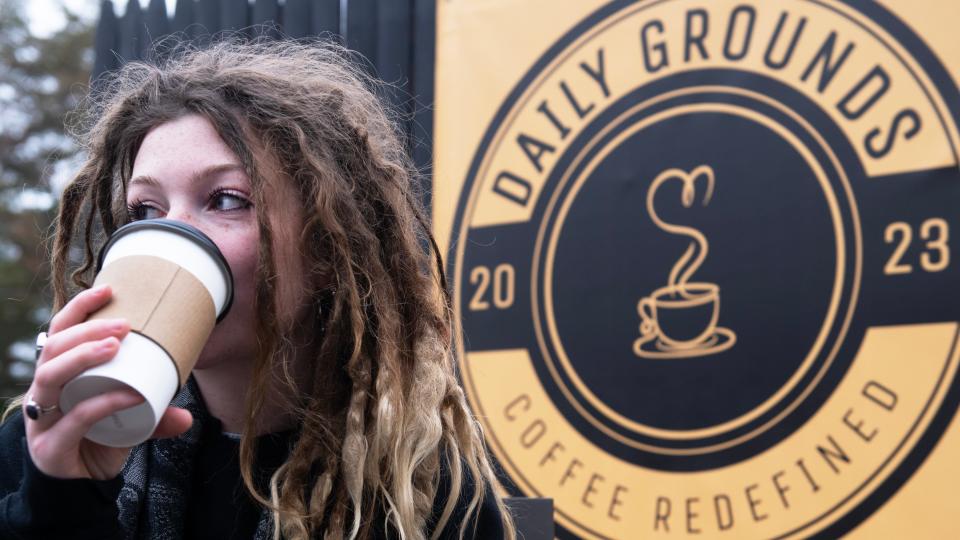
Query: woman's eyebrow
216 169
148 180
144 180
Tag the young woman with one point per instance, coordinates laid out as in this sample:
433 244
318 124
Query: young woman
325 404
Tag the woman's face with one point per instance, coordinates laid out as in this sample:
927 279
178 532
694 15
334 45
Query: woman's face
184 171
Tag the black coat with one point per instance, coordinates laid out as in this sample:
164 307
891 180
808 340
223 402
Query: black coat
36 506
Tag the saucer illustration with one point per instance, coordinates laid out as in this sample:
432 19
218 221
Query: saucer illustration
721 340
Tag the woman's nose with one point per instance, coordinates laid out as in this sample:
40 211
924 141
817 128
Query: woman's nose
183 215
190 217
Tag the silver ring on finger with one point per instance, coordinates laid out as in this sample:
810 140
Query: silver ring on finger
41 341
34 410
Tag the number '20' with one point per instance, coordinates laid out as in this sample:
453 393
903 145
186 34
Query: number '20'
500 283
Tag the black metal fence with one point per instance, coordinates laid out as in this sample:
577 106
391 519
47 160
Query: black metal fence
396 36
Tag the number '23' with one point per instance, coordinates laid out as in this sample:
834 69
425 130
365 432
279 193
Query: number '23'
936 255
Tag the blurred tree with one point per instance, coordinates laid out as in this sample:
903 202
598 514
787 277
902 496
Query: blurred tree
41 79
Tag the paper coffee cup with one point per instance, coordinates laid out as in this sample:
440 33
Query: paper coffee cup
173 284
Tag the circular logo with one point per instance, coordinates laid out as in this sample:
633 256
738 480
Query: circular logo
701 261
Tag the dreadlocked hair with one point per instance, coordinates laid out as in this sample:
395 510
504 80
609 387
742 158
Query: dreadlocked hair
381 410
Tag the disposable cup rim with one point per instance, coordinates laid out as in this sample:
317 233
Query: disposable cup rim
185 230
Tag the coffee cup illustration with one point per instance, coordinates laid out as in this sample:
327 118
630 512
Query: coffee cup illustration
173 284
679 320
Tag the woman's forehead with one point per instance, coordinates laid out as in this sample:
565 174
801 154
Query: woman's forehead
192 136
186 148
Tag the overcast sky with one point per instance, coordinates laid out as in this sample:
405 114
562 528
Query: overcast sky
45 18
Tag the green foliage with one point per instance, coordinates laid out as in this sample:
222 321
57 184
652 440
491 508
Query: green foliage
41 80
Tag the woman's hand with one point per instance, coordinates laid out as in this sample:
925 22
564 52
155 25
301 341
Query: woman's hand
56 440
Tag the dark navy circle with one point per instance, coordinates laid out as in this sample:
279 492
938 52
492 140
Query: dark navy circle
773 252
775 278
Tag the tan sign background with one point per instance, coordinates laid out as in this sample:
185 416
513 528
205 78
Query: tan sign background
484 50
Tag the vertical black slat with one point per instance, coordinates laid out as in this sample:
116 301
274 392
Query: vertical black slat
133 35
267 12
394 51
422 84
208 15
183 18
234 14
105 41
296 18
362 29
156 19
325 18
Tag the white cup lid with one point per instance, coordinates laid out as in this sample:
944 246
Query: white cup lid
187 247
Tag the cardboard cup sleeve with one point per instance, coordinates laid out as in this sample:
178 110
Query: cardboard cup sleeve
171 283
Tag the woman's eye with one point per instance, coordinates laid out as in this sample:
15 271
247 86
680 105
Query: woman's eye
226 202
138 211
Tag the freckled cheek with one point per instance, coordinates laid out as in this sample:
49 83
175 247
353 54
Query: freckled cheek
240 251
243 265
